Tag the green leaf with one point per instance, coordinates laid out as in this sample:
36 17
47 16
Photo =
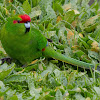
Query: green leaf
5 70
35 2
50 14
69 16
85 2
33 91
79 53
3 89
61 34
79 96
47 11
16 78
27 7
11 93
59 95
97 89
57 72
45 72
93 54
35 12
57 7
48 97
14 97
84 43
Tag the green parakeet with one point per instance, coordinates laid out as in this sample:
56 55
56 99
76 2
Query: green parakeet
24 43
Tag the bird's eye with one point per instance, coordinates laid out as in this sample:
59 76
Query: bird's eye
27 22
18 21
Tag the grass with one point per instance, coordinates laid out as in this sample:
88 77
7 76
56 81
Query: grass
74 28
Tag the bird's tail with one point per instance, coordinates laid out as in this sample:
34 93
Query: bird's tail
50 52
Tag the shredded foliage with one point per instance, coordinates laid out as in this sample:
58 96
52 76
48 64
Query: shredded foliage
74 28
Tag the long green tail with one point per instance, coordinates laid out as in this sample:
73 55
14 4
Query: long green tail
50 52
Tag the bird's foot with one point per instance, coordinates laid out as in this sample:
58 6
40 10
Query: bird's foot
49 40
8 60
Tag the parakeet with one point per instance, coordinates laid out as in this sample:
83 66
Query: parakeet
25 43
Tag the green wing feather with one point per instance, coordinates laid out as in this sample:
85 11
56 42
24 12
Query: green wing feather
42 41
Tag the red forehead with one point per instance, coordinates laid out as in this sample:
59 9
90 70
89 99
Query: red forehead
24 18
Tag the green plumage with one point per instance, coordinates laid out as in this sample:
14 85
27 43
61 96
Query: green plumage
22 46
26 47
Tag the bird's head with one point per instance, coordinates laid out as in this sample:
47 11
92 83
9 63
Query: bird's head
23 19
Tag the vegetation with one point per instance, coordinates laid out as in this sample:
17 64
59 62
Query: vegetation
74 28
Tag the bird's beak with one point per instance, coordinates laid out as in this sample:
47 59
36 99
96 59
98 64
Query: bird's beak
27 25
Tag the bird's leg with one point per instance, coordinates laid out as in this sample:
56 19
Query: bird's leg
8 60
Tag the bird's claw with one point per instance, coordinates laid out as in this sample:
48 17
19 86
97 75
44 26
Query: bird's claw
49 40
8 60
